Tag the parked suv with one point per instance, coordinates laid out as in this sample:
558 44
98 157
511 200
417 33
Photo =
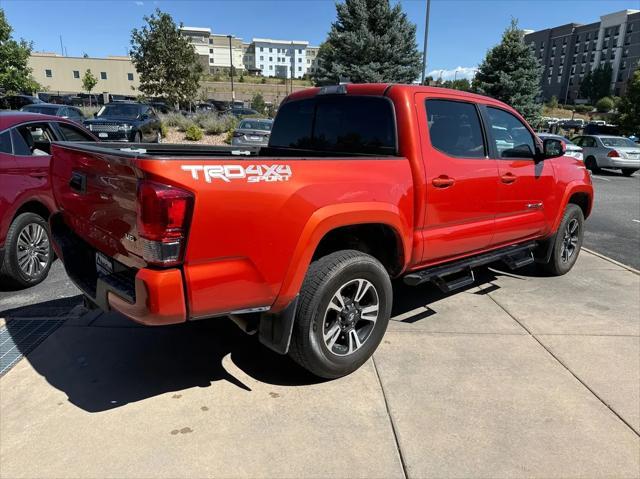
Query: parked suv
124 121
25 195
298 241
600 151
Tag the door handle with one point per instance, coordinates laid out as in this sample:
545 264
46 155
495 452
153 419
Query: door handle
508 178
442 181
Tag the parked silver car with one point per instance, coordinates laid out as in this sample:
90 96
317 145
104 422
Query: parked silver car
252 132
602 151
572 149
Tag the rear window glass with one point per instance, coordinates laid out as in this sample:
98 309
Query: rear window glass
622 142
45 110
454 128
337 124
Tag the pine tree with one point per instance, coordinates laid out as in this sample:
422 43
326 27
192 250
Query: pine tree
511 73
370 41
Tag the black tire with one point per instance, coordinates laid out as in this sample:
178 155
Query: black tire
562 257
591 164
11 272
326 277
628 171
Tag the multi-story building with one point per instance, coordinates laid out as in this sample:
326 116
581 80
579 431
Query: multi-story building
279 58
216 51
58 74
568 52
312 59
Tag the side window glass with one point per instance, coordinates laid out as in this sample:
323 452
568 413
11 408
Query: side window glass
37 136
5 143
454 128
20 144
71 133
590 142
510 136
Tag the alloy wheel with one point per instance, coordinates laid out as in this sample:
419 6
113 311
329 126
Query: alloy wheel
350 317
33 250
570 240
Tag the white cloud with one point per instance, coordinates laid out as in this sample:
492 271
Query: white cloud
457 73
139 3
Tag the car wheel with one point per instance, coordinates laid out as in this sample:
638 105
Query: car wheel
628 171
568 242
591 164
137 137
28 254
343 312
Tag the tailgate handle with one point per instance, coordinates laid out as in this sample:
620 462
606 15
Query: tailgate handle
78 182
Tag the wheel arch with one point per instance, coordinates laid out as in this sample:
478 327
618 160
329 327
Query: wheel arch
578 193
348 226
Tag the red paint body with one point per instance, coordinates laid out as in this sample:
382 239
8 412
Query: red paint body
249 244
25 179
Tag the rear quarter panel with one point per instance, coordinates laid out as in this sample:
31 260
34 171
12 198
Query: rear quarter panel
250 243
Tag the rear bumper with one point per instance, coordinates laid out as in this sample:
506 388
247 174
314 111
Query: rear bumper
624 163
147 296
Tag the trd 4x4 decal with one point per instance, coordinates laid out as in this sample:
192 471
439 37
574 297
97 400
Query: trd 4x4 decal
252 173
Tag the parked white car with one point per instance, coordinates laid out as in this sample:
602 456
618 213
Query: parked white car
602 151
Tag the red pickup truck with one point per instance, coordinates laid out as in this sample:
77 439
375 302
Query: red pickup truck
299 241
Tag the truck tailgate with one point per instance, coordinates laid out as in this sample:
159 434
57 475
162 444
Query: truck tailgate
96 193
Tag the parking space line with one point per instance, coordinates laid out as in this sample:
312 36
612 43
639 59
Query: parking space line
599 178
637 221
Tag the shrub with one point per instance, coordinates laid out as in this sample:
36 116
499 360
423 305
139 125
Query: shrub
163 129
583 108
553 102
185 123
263 80
193 133
229 137
604 105
172 119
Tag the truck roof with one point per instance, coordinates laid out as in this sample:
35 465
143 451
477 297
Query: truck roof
380 89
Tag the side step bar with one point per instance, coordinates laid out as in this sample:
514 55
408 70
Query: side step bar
459 274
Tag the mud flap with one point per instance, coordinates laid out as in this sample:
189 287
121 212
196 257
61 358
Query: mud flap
275 330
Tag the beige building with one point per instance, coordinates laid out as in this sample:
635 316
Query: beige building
215 51
116 75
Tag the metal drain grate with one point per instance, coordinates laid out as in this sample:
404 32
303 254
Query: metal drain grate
20 336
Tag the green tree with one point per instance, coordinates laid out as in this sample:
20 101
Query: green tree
258 103
596 84
628 117
604 104
167 64
511 73
15 74
89 82
370 41
458 84
553 102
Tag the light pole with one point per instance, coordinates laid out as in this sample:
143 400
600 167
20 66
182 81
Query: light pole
455 75
293 65
233 93
426 37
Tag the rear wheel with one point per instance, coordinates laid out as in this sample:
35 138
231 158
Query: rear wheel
628 171
591 164
343 312
28 253
568 242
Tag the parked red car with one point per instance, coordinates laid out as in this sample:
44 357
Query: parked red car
359 184
25 195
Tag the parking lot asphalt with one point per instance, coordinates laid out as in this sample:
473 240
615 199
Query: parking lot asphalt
613 228
520 376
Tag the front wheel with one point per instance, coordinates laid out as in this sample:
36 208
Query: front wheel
343 312
591 164
628 171
568 242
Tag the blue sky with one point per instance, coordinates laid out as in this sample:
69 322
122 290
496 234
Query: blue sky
460 31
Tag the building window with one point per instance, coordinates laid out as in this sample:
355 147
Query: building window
270 67
130 76
299 69
261 49
76 74
270 59
48 73
308 61
210 41
103 75
210 60
210 50
261 57
270 50
299 60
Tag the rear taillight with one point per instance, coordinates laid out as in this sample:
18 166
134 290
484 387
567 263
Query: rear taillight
164 213
613 154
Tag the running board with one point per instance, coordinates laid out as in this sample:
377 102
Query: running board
459 274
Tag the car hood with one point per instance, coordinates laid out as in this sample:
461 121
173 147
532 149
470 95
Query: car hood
110 120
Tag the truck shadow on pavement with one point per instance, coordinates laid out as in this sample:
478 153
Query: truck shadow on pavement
104 361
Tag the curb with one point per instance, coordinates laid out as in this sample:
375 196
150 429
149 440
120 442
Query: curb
611 260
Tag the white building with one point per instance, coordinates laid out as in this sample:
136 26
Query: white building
278 58
215 50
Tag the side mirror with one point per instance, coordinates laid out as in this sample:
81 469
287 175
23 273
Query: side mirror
552 148
95 114
144 116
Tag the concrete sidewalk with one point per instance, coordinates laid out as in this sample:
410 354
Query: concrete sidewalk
522 376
